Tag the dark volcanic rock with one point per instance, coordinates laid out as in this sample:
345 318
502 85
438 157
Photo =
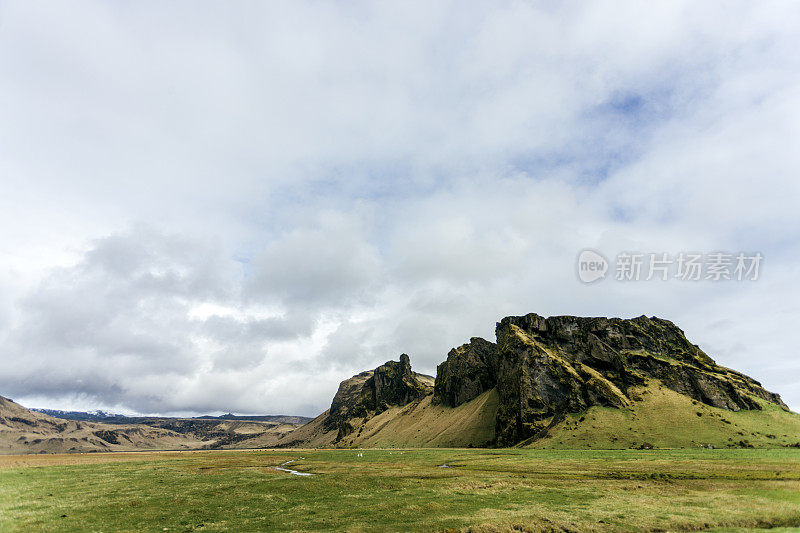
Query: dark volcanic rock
372 392
393 383
547 367
544 368
470 370
109 436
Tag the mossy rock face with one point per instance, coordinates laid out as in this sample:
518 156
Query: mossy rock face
550 366
542 372
469 371
374 391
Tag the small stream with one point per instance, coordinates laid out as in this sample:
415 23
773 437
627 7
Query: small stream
293 472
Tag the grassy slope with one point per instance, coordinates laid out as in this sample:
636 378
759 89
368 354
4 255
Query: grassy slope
403 490
421 424
312 435
667 419
418 424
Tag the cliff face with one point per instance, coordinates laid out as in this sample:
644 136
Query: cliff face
372 392
469 371
547 367
543 368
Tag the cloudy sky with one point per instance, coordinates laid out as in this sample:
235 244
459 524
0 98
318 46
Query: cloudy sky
232 206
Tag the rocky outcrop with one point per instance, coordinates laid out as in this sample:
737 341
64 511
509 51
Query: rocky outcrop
393 383
469 371
372 392
550 366
543 368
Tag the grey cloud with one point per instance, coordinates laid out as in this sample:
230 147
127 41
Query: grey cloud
238 356
253 329
93 328
328 263
393 178
152 262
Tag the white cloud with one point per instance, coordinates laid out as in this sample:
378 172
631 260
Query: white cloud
327 264
203 206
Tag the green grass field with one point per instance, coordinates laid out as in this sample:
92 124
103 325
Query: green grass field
400 490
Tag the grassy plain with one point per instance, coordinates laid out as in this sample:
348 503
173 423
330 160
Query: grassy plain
403 490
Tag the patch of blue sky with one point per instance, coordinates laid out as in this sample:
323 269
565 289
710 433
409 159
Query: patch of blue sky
607 136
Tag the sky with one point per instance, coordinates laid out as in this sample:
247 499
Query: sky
212 207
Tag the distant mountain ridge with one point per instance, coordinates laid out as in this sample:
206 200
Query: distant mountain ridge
113 418
27 431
